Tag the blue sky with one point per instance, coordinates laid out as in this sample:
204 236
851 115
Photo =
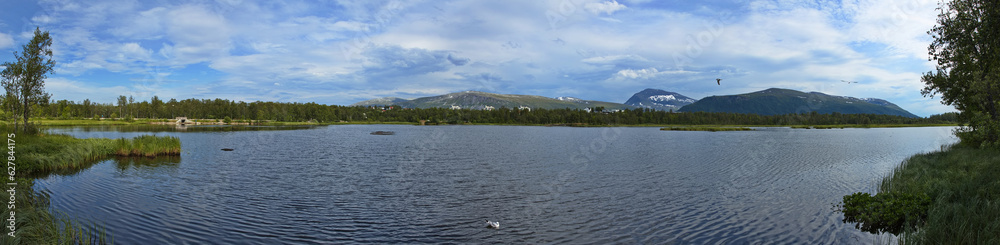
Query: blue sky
342 52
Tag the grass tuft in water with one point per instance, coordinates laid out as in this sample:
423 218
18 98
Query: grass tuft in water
48 153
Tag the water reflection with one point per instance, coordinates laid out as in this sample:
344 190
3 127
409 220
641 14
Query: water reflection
339 184
146 164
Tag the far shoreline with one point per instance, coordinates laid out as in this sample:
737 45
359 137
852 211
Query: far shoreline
218 122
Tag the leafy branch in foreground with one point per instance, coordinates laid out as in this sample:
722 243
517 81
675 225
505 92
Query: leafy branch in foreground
966 48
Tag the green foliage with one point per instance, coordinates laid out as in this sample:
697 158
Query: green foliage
147 146
45 154
24 79
885 212
966 48
785 101
128 118
227 120
66 113
304 112
962 183
114 116
37 225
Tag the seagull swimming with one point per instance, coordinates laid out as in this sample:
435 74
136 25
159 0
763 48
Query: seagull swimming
494 224
718 81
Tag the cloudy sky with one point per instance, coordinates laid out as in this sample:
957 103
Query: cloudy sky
342 52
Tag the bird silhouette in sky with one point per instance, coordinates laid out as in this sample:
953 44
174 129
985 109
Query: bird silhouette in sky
848 82
718 81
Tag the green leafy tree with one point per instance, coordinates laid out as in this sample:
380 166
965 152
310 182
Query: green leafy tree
967 75
24 79
122 101
131 109
156 106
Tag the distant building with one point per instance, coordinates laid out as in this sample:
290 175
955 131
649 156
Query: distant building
488 108
524 108
455 107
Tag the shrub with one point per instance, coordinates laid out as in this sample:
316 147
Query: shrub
890 212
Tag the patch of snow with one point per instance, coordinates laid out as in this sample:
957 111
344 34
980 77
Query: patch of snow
667 97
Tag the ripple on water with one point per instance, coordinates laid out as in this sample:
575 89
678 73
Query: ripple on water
339 184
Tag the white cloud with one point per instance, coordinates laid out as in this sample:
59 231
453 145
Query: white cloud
342 52
196 35
6 41
642 73
607 7
902 25
68 89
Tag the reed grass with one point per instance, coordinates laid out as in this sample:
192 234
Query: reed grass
964 184
40 155
36 224
44 154
148 146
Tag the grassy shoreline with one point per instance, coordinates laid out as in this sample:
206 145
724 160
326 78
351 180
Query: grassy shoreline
109 122
41 155
49 153
963 184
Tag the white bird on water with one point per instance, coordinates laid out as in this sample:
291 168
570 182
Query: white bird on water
494 224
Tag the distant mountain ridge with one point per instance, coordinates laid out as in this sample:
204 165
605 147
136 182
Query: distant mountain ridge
482 100
659 100
776 101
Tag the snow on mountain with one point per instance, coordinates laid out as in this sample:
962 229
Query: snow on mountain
668 97
659 100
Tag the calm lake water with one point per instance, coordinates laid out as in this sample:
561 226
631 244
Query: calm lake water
438 184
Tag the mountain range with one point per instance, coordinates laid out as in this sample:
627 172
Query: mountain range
482 100
774 101
659 100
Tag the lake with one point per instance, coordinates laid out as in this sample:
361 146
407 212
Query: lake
439 184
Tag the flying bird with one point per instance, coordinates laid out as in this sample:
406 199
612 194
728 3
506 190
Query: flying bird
848 82
718 81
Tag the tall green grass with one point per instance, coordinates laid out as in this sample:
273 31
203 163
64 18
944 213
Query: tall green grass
37 225
148 146
40 155
964 184
48 153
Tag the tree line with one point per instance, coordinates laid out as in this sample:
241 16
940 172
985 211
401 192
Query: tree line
156 108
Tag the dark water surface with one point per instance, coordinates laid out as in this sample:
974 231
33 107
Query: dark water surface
339 184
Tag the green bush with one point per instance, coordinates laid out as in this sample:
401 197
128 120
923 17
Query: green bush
227 120
890 212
